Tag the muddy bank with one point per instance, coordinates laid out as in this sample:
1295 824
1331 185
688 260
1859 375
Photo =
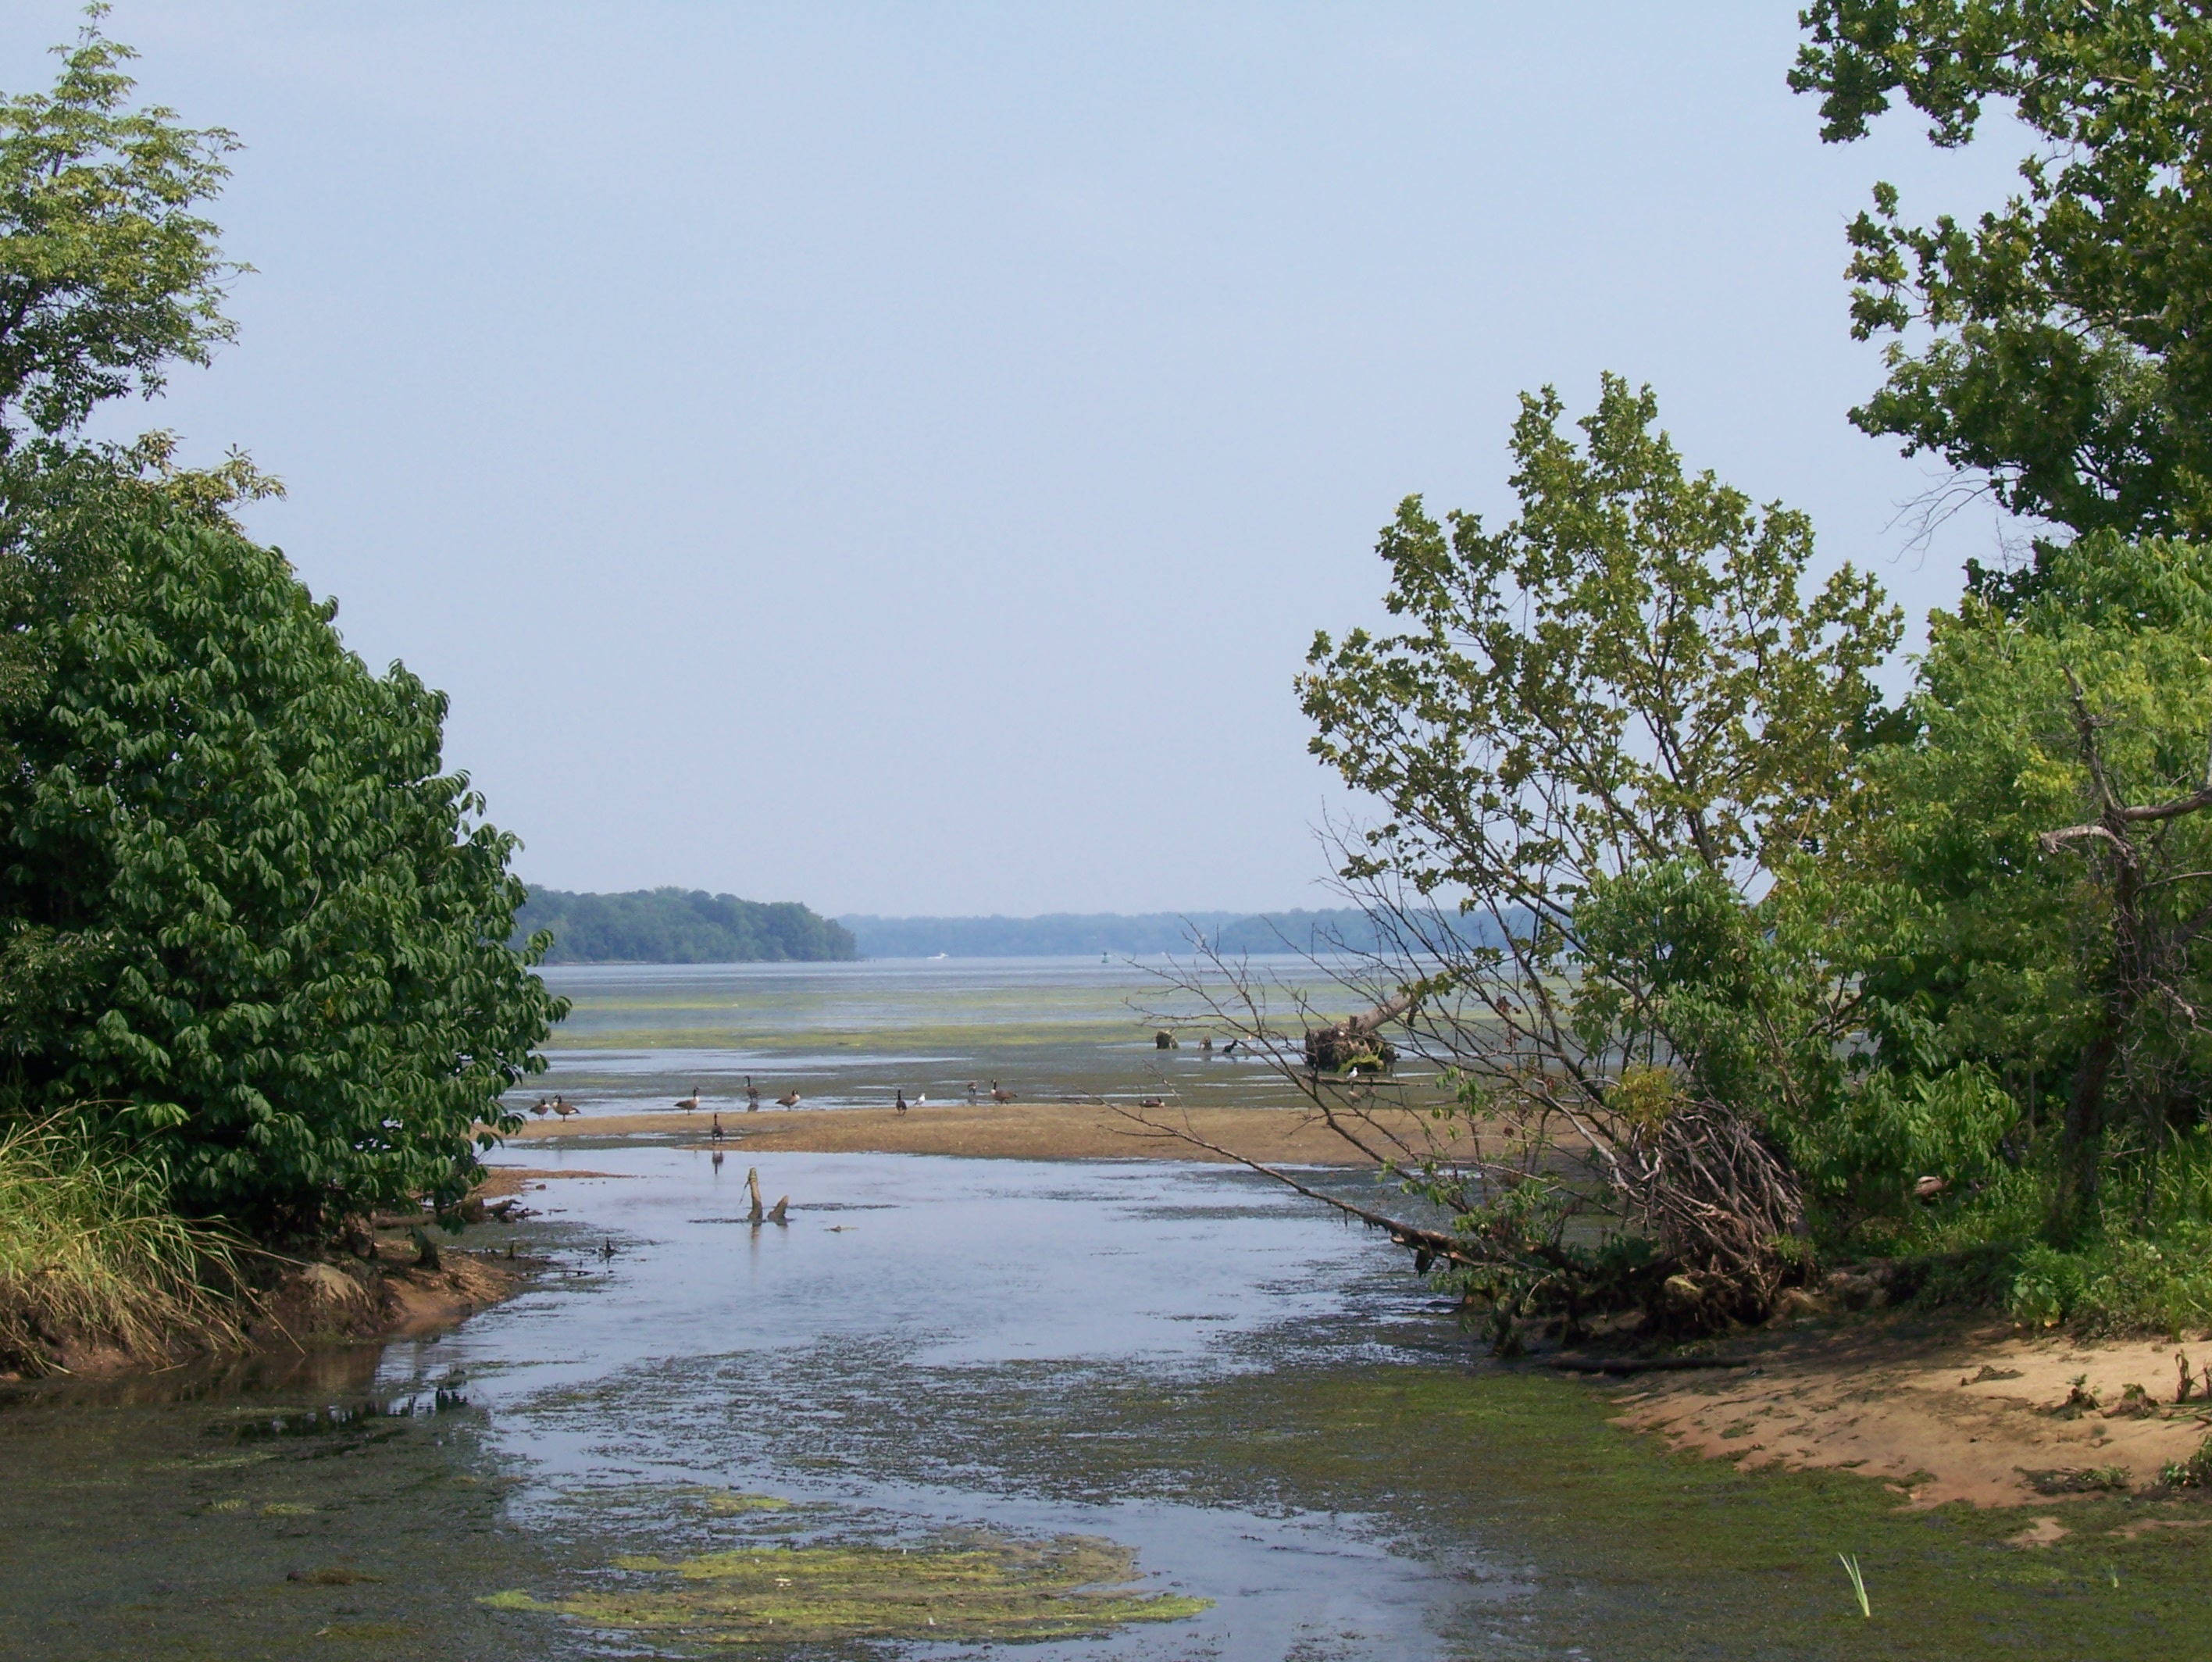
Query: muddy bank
365 1302
1015 1131
388 1288
1941 1410
309 1304
395 1289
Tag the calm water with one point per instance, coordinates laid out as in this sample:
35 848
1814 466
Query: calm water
827 1363
853 1034
1185 1361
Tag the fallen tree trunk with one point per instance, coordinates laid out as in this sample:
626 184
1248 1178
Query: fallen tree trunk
1356 1042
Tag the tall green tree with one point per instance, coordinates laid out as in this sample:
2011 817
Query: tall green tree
249 926
2059 347
2049 834
1619 731
109 273
277 928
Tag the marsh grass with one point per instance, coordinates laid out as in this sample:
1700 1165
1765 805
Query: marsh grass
1858 1583
92 1257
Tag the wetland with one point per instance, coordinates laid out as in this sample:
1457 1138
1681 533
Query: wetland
956 1406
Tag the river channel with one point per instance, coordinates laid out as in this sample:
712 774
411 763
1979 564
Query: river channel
1108 1410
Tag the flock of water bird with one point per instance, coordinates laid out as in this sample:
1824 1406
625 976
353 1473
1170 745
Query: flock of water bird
691 1104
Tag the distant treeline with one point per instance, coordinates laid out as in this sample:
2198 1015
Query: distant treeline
679 927
1067 934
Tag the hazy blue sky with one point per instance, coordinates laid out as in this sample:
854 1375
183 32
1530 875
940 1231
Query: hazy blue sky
897 457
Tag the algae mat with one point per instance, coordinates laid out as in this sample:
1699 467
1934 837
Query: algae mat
981 1588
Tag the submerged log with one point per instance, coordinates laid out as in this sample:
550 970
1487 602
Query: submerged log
1357 1041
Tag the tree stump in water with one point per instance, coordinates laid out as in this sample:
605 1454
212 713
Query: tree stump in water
1163 1040
752 1183
1357 1041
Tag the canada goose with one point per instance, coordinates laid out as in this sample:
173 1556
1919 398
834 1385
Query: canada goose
901 1103
564 1108
752 1096
717 1132
975 1090
1230 1049
788 1099
543 1108
688 1103
998 1095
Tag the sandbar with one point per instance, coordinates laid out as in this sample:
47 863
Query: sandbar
1014 1131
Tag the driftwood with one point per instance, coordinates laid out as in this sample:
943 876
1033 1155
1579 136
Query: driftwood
757 1216
1720 1201
1356 1042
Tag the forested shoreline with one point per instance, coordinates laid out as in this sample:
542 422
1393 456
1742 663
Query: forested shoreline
679 926
1785 977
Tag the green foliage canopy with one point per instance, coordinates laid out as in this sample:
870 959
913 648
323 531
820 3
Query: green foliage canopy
1624 680
271 933
2058 346
108 274
2073 964
1623 733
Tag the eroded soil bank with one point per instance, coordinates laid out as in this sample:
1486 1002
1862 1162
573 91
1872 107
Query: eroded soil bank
388 1288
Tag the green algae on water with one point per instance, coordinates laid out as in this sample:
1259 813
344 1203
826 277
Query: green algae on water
974 1589
727 1501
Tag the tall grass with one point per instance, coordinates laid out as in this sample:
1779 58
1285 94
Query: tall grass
92 1256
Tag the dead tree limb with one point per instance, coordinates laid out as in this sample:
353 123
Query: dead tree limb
1427 1245
2144 954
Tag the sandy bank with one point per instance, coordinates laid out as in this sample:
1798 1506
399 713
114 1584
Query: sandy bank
1016 1131
1950 1411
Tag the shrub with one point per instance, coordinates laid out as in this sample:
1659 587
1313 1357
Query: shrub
294 993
